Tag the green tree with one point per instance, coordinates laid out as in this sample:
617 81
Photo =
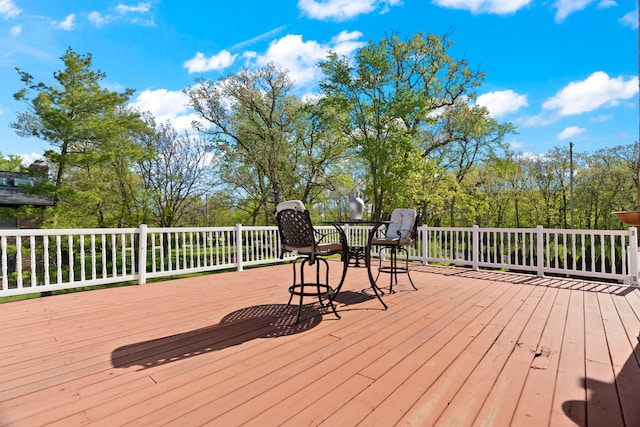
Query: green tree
11 163
174 178
604 185
272 145
465 136
87 125
505 187
388 100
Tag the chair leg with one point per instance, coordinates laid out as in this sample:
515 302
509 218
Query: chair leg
393 276
406 266
345 266
380 256
299 288
292 284
392 269
318 260
376 290
304 261
333 307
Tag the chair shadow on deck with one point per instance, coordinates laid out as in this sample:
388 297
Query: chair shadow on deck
240 326
610 404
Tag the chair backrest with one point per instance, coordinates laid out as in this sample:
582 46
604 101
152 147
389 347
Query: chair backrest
296 205
402 224
294 225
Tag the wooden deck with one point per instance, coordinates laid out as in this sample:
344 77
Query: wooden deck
468 348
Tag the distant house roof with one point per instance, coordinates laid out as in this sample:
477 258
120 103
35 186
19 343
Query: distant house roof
12 194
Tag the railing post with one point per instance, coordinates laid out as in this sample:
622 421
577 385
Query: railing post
423 255
142 255
633 256
540 250
238 232
476 247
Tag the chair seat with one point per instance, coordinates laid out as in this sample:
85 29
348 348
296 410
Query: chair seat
390 241
321 248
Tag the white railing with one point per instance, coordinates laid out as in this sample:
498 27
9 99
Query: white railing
47 260
602 254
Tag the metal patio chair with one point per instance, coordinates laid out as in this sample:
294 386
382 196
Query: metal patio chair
397 234
299 237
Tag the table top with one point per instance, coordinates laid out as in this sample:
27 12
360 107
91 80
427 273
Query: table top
355 221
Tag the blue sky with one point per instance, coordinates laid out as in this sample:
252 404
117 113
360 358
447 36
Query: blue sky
559 70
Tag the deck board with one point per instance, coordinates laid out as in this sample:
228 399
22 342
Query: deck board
482 383
468 348
535 402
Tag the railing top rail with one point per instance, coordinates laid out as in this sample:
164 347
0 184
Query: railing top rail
65 231
530 230
191 229
584 231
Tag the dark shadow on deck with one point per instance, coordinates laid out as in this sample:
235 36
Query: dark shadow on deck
240 326
610 404
352 297
524 278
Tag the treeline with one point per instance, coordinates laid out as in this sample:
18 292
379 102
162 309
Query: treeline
516 190
397 122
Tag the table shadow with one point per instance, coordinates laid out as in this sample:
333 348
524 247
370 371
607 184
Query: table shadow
352 297
240 326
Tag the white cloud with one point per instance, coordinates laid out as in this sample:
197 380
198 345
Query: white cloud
166 105
300 57
570 132
219 61
596 91
341 10
295 55
346 42
630 20
267 35
16 30
567 7
123 12
290 53
97 19
162 103
144 22
542 119
8 9
605 4
514 144
499 7
140 8
503 102
601 118
529 156
67 24
28 159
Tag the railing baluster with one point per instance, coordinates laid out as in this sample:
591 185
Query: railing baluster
32 259
82 264
93 257
45 249
19 261
5 268
592 249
